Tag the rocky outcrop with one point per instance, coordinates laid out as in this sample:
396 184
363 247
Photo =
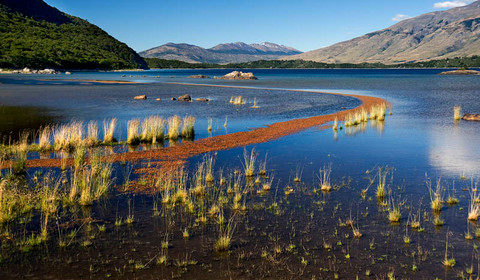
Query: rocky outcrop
199 77
460 72
140 97
185 97
238 75
471 117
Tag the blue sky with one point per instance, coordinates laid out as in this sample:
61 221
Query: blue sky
302 24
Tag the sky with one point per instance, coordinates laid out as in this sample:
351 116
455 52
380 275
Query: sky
302 24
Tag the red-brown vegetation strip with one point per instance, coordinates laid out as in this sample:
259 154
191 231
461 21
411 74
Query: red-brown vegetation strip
186 150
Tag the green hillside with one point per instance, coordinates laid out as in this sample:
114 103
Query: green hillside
36 35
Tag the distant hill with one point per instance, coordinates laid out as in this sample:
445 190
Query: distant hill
36 35
436 35
223 53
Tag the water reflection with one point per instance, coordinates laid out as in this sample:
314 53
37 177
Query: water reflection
455 150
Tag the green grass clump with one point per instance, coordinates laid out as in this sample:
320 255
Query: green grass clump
249 162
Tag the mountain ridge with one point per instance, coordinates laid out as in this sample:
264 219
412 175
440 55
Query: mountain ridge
435 35
222 53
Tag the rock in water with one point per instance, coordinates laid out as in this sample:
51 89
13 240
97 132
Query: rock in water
199 77
238 75
140 97
184 97
471 117
202 99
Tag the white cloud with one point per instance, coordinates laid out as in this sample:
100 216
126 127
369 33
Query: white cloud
452 4
400 17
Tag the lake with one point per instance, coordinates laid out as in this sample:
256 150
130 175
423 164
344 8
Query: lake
290 229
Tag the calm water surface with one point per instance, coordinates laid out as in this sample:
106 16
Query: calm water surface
419 140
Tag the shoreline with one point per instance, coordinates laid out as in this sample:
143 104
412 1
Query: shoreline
185 150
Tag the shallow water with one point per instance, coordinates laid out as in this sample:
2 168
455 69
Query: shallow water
419 140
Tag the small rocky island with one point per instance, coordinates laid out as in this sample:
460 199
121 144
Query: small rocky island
198 77
460 72
471 117
238 75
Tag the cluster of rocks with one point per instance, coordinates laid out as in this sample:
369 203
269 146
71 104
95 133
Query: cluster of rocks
237 75
184 98
27 70
199 77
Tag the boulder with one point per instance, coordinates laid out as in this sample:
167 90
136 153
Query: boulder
199 77
47 71
68 73
184 97
202 99
238 75
158 99
173 99
140 97
471 117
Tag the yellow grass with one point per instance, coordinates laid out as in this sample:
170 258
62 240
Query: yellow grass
132 132
174 127
457 113
108 130
188 128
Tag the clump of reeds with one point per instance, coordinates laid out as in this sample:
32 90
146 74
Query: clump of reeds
153 128
298 174
457 113
255 106
90 182
44 138
225 235
267 185
68 136
436 195
209 163
263 167
92 134
237 100
324 177
474 206
108 130
335 124
377 112
446 261
174 127
381 184
188 128
210 124
249 162
394 214
132 132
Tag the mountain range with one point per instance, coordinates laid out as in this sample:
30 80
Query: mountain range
437 35
36 35
221 54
